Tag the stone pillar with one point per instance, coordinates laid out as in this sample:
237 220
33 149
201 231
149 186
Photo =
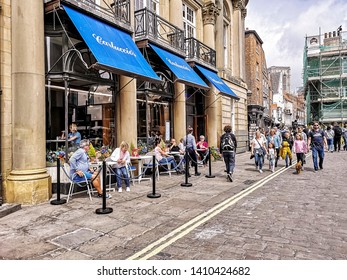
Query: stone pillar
239 33
126 115
179 111
179 104
28 182
242 44
210 12
219 37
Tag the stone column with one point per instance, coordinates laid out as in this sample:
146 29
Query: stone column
126 121
179 104
28 182
210 12
239 33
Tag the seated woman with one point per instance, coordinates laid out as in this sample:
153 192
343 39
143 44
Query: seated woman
164 158
202 147
122 157
177 149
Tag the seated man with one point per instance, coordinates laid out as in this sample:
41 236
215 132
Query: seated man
79 166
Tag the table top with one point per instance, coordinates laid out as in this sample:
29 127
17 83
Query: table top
140 157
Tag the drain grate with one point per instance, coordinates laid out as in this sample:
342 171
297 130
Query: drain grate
249 182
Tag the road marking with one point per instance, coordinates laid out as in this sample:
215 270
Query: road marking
186 228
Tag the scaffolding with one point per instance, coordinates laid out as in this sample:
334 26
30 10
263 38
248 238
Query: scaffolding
325 77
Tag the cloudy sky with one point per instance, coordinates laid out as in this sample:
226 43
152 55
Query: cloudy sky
283 26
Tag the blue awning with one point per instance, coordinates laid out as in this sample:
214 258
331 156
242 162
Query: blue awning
216 81
183 72
114 50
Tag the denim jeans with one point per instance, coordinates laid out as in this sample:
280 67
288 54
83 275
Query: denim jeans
122 174
168 160
258 160
330 144
317 152
229 160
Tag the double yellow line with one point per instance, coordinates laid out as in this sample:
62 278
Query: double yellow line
186 228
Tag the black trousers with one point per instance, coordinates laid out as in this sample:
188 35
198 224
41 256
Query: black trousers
337 143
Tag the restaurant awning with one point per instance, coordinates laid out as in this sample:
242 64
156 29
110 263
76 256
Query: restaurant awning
183 72
216 81
114 49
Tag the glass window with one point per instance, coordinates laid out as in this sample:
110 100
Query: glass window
188 21
152 5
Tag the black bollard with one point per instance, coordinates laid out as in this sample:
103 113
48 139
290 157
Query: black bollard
186 184
104 210
153 194
209 165
58 201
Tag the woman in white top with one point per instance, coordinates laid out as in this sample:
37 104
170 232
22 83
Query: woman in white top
162 157
258 149
122 158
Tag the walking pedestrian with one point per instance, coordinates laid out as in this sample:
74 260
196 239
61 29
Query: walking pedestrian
271 157
276 141
344 135
228 145
317 141
300 149
337 137
286 149
329 134
190 144
258 149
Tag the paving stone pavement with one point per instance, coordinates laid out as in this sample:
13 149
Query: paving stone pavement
289 217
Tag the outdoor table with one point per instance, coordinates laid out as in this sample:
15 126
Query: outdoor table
140 160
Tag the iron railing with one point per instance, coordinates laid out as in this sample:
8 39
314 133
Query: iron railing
148 25
198 50
117 12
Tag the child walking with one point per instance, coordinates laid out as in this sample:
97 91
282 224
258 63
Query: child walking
300 148
271 157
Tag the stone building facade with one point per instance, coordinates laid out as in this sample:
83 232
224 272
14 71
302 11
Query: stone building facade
258 81
51 76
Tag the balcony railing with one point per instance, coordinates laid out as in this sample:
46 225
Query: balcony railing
118 12
148 25
198 50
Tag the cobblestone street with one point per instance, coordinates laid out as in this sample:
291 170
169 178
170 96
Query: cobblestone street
258 216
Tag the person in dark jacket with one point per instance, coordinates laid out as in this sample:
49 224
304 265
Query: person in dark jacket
228 145
337 137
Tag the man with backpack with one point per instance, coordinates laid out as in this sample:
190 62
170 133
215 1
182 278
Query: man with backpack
337 137
228 145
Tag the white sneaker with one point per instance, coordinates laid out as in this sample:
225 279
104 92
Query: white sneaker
119 189
260 171
108 195
127 189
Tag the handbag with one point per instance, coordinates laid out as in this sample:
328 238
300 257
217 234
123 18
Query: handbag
262 151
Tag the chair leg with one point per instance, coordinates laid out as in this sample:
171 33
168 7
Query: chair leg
70 191
89 191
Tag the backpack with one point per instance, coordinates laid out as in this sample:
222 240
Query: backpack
338 131
227 143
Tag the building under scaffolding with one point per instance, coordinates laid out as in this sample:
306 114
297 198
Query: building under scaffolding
325 77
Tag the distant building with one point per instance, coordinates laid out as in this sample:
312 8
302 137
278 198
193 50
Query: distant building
280 84
325 77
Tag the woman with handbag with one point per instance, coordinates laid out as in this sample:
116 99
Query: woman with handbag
258 149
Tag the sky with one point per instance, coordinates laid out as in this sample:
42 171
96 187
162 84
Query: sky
283 25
